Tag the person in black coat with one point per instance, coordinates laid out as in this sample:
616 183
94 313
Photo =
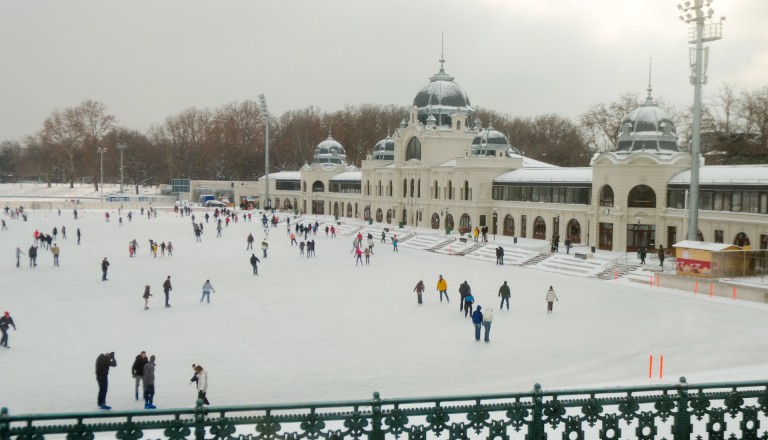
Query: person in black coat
464 291
103 362
104 268
137 370
167 290
5 322
254 260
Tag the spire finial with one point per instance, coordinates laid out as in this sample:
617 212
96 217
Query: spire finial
442 49
330 130
650 69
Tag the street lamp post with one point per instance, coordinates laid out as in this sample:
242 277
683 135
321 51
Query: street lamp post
263 102
101 151
121 147
700 32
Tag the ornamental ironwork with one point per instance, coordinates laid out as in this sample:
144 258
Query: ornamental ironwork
660 412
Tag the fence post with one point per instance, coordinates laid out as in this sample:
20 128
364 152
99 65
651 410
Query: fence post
5 425
199 420
376 433
682 428
536 428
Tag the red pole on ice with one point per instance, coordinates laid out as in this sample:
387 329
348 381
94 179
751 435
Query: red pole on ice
661 367
650 367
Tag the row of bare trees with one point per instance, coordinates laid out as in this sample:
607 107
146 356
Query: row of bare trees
227 143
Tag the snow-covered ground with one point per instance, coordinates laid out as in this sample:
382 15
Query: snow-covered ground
311 329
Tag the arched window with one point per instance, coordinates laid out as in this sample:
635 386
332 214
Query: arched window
450 190
573 231
642 196
367 213
509 225
449 222
606 196
349 210
390 192
413 151
435 221
741 240
466 190
539 229
318 186
413 184
379 215
389 216
436 188
465 224
405 187
418 189
336 208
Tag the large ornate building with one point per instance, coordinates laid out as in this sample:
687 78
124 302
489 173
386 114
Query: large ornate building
441 169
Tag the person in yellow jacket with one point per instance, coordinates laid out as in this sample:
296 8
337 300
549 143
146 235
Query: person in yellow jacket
442 286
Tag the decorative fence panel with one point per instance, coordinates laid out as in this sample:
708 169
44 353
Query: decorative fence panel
734 410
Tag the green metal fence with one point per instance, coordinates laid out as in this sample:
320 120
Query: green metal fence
680 411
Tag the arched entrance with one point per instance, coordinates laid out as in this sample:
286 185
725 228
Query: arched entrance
389 216
336 209
573 231
539 229
741 240
509 225
379 215
465 224
349 210
449 222
367 213
435 221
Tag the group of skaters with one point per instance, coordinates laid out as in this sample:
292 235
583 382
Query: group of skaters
143 373
480 318
133 247
168 287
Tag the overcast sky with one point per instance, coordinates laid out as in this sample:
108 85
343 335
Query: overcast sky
147 59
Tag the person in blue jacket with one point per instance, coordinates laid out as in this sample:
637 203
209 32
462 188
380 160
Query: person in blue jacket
468 301
477 321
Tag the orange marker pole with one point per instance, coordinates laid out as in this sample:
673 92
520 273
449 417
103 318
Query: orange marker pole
650 367
734 294
661 367
711 287
651 280
658 279
615 274
696 287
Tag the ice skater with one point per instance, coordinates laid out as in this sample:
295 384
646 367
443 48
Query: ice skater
551 298
207 289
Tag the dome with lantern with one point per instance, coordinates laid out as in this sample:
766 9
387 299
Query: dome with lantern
384 149
647 128
490 142
329 152
441 98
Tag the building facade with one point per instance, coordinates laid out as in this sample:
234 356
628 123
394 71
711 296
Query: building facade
441 169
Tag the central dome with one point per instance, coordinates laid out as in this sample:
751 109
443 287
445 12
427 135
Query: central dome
647 128
441 98
329 152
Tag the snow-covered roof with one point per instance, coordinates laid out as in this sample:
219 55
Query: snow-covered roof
347 176
448 163
725 174
547 175
703 246
533 163
286 175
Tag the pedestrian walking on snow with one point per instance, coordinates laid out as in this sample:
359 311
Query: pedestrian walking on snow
137 371
551 298
5 322
167 290
146 296
419 289
477 322
19 253
104 269
55 251
487 321
464 291
207 289
201 379
442 287
504 293
264 247
103 362
149 383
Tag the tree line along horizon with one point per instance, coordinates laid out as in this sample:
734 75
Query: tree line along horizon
227 143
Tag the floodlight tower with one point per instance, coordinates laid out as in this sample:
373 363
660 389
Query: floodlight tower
703 29
121 147
101 151
263 102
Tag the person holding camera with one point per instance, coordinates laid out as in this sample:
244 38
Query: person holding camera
201 379
103 362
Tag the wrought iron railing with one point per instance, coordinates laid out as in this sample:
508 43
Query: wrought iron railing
677 411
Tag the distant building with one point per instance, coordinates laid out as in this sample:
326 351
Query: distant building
441 169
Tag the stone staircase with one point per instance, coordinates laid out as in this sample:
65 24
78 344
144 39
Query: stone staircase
615 268
536 259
